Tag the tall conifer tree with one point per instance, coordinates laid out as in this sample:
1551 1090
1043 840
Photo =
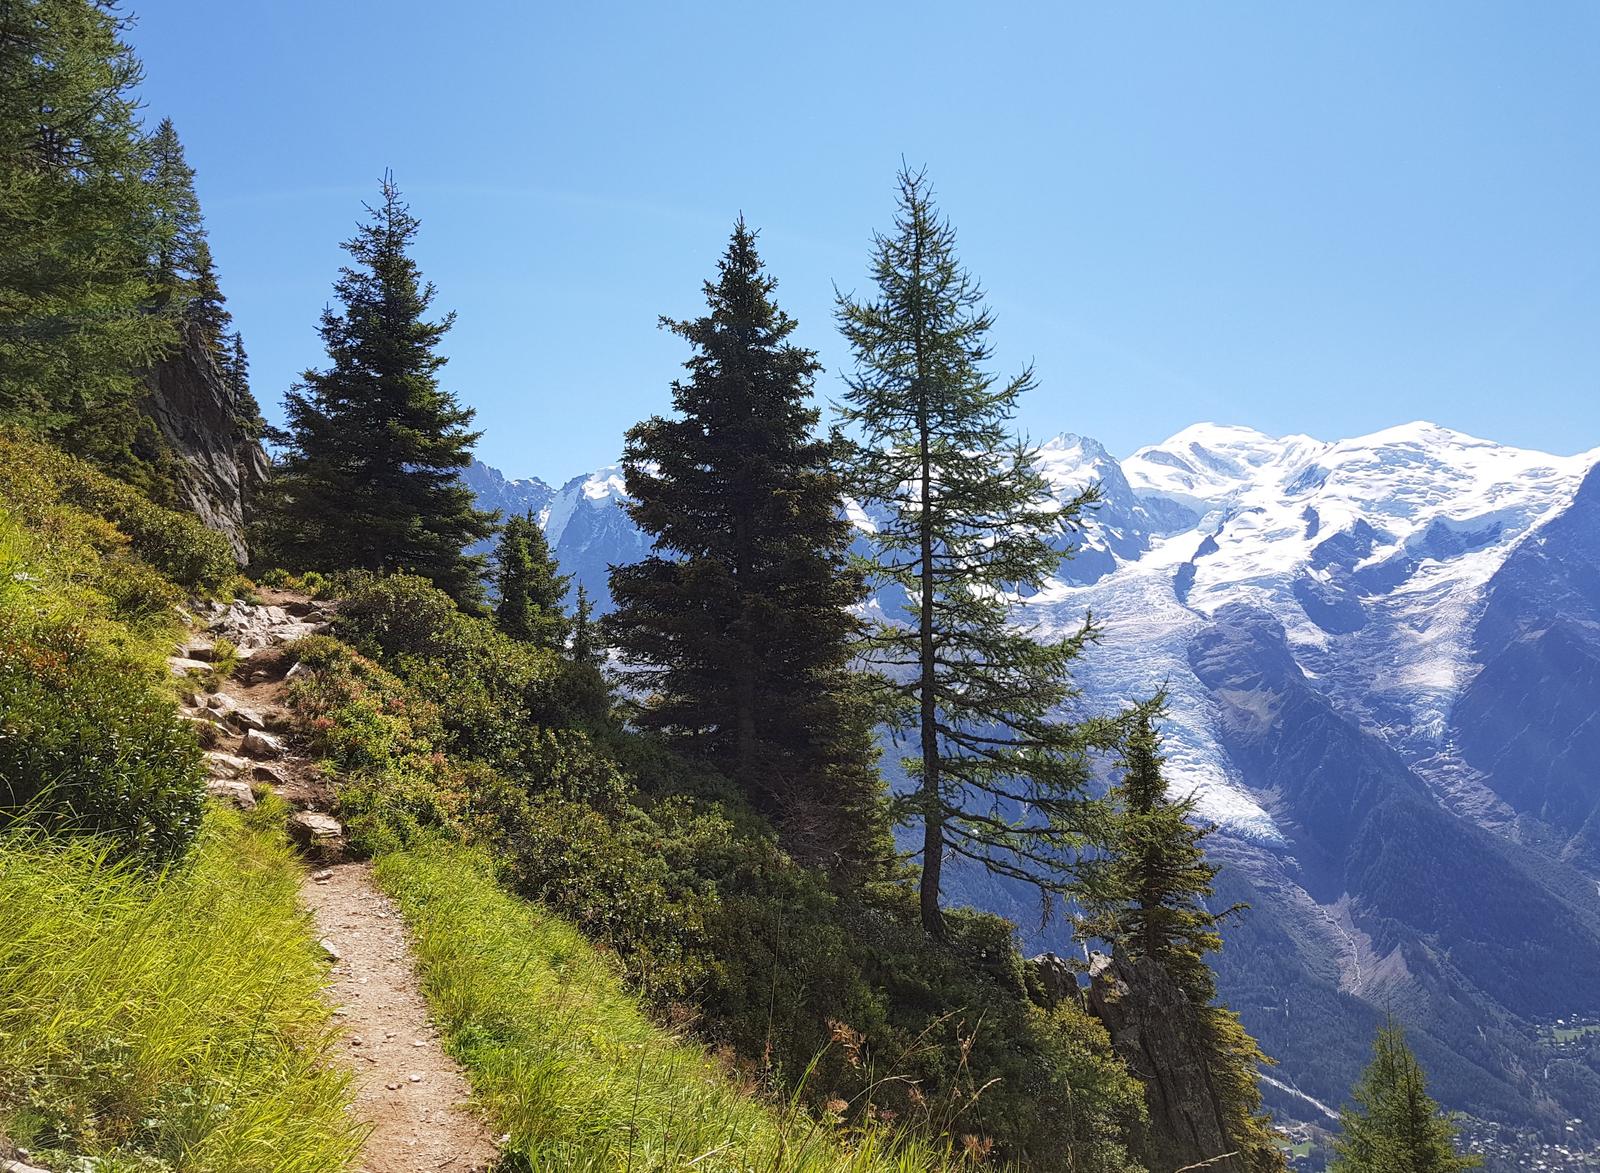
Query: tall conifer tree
79 222
967 522
374 448
183 273
738 625
530 584
1394 1125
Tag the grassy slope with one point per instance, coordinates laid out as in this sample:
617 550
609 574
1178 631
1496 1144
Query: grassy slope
156 1020
564 1061
172 1017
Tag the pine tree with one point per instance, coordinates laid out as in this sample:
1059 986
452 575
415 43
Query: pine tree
738 625
206 308
969 524
585 648
234 364
530 585
176 259
374 447
1395 1126
1154 885
79 223
1149 901
183 271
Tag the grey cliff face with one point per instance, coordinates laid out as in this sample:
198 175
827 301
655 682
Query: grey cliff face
221 466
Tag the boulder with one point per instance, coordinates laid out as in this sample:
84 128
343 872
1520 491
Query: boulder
271 775
1153 1027
226 765
1050 980
258 744
183 666
232 791
245 719
316 833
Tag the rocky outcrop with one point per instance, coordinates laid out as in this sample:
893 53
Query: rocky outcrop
1150 1021
221 465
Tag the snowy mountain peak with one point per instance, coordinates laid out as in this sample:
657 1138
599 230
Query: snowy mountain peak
1205 465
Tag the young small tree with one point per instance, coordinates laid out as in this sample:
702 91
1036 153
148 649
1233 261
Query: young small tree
1395 1126
530 584
968 524
1150 898
370 475
207 309
585 648
738 625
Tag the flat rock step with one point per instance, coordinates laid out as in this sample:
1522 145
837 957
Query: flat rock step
259 744
232 791
227 765
317 834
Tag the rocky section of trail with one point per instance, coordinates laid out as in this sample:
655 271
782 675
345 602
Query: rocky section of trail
237 664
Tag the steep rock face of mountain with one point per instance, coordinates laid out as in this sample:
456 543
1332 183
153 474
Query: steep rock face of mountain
1527 723
494 490
1383 659
220 464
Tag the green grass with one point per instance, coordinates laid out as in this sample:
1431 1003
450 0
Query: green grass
167 1022
562 1059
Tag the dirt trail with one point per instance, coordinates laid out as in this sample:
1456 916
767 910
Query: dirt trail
407 1089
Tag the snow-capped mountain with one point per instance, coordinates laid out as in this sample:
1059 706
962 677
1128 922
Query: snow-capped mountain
583 521
1383 662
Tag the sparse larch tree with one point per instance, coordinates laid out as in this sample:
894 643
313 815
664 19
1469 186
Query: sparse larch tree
967 525
1394 1125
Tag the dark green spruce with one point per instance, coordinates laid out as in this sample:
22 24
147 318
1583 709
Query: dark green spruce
369 478
738 625
530 585
967 523
1394 1126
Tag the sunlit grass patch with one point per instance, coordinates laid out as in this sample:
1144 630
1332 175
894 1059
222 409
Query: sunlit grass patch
166 1021
562 1059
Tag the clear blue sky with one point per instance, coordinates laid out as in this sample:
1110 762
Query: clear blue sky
1324 218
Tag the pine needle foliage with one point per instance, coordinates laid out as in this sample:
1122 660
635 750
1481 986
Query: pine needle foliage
1394 1126
967 525
370 476
79 222
738 625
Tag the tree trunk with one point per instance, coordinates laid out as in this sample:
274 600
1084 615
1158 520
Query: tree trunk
932 804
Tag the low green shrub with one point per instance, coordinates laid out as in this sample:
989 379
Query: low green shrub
88 748
35 479
168 1022
382 743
